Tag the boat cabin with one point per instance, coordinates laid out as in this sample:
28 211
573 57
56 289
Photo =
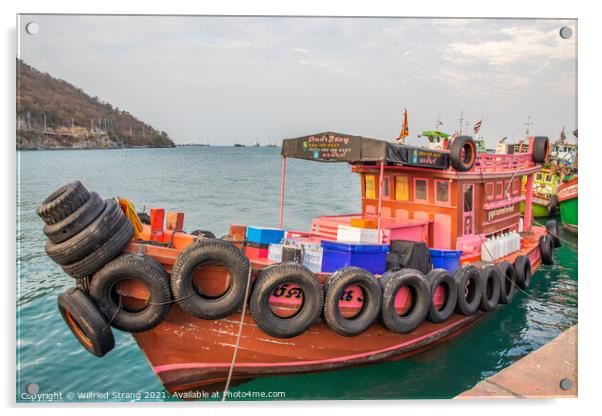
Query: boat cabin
413 193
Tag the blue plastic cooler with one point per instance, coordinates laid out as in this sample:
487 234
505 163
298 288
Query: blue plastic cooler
372 257
446 259
262 235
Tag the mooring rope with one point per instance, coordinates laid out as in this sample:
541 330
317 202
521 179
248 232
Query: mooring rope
238 337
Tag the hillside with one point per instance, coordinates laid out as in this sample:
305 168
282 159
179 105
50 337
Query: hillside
53 114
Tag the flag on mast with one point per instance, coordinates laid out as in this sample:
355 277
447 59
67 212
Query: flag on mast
477 126
405 132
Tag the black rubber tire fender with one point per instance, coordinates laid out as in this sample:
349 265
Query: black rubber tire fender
144 218
86 322
508 282
90 238
553 231
63 202
435 278
77 221
372 299
522 268
417 283
140 268
309 312
104 254
541 149
463 153
491 287
553 205
210 251
203 234
470 288
546 248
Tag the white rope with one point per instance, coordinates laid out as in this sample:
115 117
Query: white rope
242 318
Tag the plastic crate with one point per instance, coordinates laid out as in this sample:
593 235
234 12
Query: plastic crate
264 235
347 233
336 255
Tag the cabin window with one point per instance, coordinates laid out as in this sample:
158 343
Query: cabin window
489 190
386 187
548 178
401 188
420 190
467 198
442 192
538 177
499 189
370 184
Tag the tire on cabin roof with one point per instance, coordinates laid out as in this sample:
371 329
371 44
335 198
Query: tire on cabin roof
463 153
209 252
491 287
309 311
553 205
86 322
508 282
443 278
103 254
552 227
103 290
90 238
144 218
62 202
414 302
77 221
546 247
541 149
470 287
371 299
203 234
522 268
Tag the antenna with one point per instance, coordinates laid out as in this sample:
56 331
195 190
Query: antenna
528 123
438 123
461 120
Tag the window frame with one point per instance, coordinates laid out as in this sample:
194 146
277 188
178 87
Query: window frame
437 201
426 199
406 178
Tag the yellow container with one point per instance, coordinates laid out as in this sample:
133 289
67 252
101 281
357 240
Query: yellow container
362 223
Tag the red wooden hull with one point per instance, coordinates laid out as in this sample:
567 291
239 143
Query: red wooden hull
190 354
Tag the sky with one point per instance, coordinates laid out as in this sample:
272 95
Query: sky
241 79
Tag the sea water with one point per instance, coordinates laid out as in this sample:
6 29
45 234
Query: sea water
216 186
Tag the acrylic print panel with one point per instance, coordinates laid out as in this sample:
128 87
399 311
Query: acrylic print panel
163 134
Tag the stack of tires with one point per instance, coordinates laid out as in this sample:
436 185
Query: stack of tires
86 236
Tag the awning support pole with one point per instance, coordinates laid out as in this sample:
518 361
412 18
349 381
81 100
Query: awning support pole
380 200
528 217
282 191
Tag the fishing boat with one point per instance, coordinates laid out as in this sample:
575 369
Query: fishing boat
437 245
545 187
569 202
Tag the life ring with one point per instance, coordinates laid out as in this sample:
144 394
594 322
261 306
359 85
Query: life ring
368 300
469 286
443 295
77 221
462 153
86 322
270 287
508 282
546 247
406 301
552 227
541 149
90 238
490 295
143 270
522 268
63 202
207 252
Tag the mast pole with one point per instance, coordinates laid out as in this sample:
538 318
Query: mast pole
282 191
380 200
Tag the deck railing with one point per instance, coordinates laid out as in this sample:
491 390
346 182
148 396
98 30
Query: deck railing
488 162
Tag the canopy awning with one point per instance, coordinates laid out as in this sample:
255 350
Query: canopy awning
339 147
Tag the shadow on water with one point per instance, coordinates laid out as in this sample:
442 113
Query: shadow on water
216 186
